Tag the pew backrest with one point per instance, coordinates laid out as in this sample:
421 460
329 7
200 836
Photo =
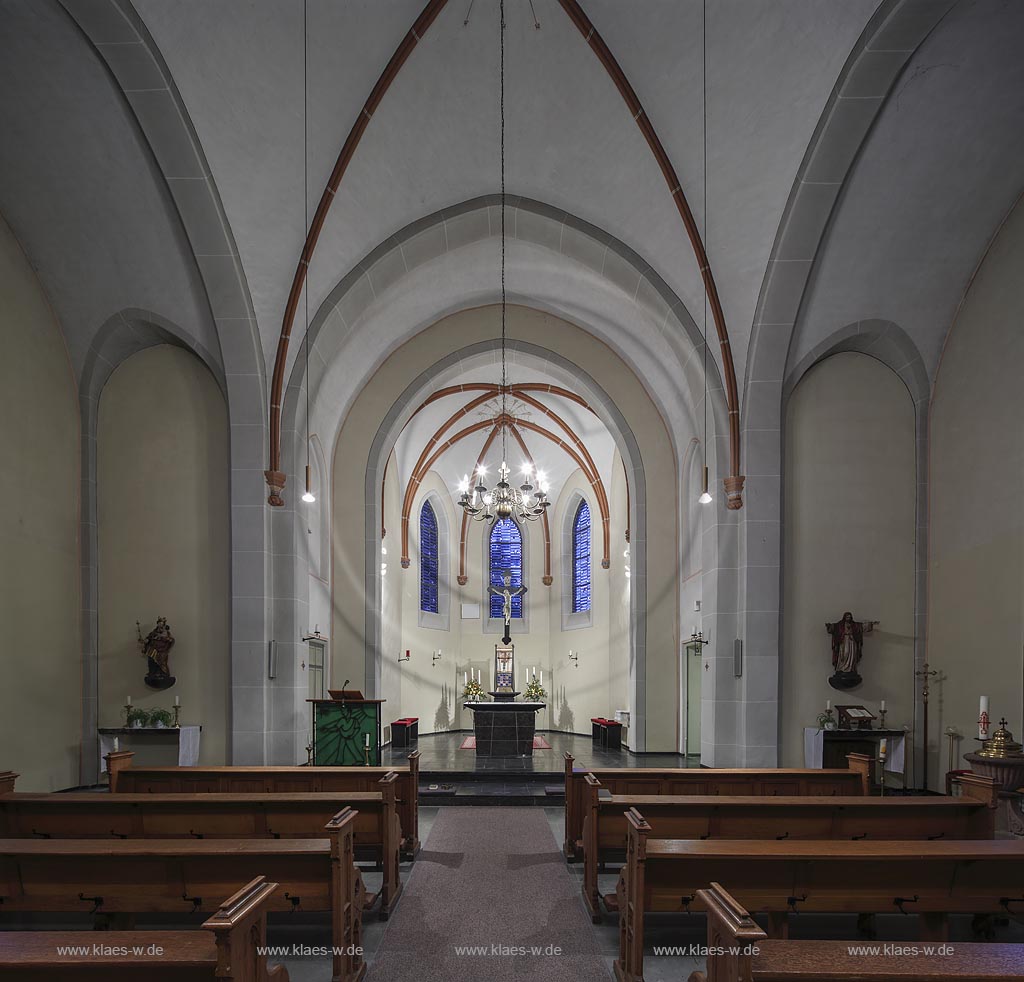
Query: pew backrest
854 780
267 780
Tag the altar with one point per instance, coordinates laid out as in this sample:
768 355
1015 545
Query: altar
505 728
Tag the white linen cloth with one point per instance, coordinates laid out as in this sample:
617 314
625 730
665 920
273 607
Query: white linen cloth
814 750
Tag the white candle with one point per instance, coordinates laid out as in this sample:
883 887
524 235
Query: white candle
465 679
828 704
882 746
177 700
117 744
367 735
542 676
983 708
882 705
127 700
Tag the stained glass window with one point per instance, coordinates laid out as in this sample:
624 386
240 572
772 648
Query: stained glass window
506 556
581 559
428 559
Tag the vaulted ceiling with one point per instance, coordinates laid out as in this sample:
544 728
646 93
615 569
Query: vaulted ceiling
84 184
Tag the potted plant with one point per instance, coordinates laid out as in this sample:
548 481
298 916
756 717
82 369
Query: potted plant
826 721
161 718
137 718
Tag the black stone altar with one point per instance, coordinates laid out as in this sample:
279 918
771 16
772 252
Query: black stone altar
504 729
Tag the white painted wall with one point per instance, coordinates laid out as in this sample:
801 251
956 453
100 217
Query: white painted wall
976 567
164 538
40 700
849 540
373 404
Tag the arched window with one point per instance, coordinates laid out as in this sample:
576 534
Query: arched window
429 560
581 559
506 556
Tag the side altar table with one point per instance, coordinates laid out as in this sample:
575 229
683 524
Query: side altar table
504 728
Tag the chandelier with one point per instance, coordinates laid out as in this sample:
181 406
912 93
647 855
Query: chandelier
529 501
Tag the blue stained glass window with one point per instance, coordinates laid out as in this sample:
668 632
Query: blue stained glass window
428 559
581 559
506 556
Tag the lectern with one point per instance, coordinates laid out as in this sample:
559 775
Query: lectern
346 729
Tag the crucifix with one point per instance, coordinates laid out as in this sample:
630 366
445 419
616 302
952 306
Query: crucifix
507 594
925 674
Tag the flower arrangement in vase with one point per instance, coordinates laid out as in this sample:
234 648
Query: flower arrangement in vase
473 691
826 721
534 691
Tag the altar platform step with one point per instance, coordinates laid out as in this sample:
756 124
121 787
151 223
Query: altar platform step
472 790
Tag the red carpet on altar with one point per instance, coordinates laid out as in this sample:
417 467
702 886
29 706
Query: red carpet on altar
539 743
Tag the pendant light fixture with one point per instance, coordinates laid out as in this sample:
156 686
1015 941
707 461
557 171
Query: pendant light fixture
526 503
308 496
705 497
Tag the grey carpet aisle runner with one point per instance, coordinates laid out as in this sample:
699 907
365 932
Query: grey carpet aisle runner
489 898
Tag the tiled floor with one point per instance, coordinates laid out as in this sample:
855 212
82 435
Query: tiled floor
440 755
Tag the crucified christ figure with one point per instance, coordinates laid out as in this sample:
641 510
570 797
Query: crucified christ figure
507 593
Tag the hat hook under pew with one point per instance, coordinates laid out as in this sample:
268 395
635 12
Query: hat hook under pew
900 901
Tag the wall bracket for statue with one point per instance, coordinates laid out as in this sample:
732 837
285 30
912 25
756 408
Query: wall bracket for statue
156 646
847 648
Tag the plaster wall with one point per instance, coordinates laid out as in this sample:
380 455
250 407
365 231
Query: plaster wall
627 393
849 540
40 701
976 563
164 539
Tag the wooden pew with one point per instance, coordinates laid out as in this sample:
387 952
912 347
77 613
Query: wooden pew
930 879
739 951
226 949
273 780
215 816
971 816
126 876
855 780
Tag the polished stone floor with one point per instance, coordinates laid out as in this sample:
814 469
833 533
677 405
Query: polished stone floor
440 756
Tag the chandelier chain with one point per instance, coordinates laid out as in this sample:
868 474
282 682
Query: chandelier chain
529 501
501 111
